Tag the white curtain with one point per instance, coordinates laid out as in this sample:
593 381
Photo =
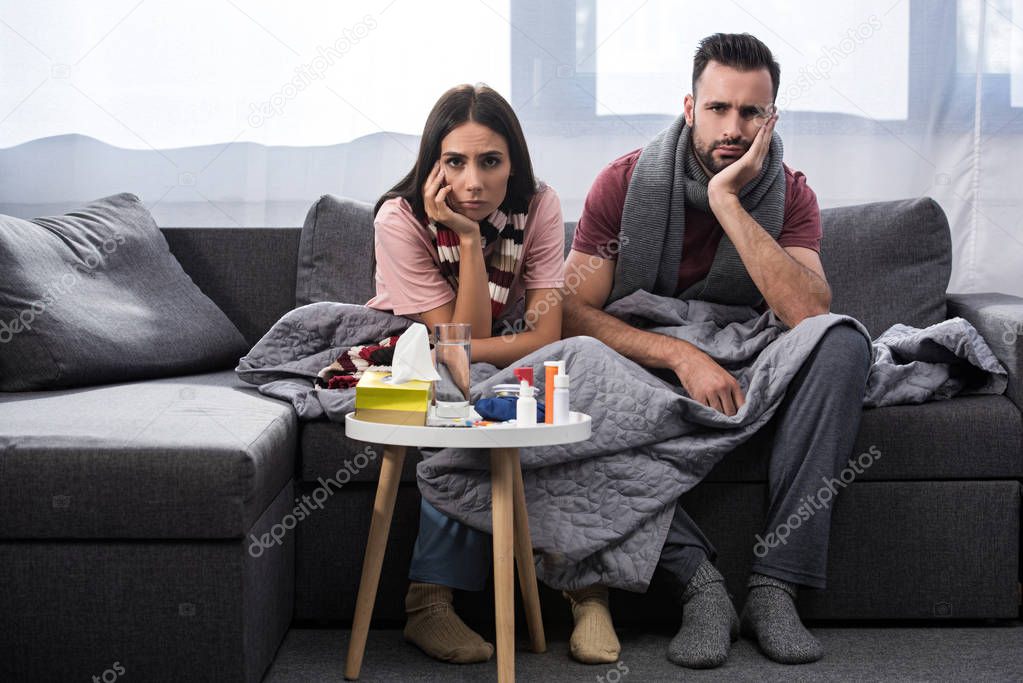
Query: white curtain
235 113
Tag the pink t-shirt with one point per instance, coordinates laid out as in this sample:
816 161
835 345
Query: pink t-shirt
408 278
601 220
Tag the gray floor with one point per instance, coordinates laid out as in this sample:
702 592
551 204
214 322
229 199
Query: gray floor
901 653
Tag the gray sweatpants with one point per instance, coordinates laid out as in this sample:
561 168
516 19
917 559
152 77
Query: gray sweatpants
811 438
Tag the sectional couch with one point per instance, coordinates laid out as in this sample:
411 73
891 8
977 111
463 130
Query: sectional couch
153 523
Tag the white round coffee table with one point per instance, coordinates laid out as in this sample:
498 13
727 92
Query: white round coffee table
508 507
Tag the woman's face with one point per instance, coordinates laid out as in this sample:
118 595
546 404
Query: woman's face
475 163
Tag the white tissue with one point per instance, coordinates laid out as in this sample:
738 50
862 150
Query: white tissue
412 359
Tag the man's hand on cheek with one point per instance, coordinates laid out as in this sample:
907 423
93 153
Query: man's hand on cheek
731 179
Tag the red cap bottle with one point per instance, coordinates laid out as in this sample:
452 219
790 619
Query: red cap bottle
524 374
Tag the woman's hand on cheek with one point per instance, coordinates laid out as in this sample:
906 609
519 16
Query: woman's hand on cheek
435 194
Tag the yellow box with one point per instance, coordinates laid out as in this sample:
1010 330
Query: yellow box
377 400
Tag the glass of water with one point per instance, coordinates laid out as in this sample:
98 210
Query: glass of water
452 359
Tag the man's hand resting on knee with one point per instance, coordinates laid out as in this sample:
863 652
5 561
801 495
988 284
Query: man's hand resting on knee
708 383
703 379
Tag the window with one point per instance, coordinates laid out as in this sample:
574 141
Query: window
644 63
241 114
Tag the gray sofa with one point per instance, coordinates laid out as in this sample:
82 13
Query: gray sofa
134 516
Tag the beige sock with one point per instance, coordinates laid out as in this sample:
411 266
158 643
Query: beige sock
594 640
439 632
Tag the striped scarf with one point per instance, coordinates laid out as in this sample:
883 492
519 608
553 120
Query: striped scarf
345 372
508 230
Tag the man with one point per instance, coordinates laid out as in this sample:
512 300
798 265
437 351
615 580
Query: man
711 213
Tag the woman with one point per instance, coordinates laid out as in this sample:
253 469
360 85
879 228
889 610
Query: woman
469 236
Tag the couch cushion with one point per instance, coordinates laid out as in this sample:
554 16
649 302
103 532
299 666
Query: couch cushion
96 296
226 606
335 253
186 457
888 262
969 437
249 273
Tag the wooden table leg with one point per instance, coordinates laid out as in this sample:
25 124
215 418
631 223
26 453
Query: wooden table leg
502 463
524 561
379 528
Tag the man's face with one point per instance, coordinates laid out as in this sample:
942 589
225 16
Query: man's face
727 113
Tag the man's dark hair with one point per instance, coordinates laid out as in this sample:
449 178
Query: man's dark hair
738 50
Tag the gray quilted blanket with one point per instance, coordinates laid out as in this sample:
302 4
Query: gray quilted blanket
599 510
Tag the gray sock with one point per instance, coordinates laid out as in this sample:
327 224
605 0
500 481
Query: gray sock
770 618
709 622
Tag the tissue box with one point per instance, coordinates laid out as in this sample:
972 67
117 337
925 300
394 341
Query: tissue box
377 400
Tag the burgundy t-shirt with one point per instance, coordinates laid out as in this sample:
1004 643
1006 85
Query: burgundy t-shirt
601 220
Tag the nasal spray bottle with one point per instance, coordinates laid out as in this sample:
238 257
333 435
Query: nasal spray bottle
560 399
525 407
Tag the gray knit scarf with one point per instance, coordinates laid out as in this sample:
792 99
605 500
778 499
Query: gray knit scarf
666 179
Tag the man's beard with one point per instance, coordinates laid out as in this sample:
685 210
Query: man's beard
706 153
